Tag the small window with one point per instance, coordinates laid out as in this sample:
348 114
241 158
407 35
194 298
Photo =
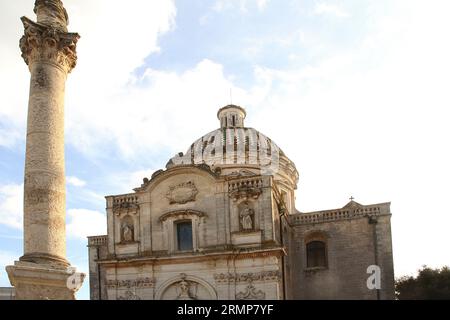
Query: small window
184 236
316 254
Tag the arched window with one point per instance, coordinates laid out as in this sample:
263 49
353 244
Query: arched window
184 235
316 254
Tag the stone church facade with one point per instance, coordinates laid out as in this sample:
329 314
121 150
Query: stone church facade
220 223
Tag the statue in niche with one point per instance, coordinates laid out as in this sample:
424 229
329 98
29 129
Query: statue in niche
184 290
246 217
127 231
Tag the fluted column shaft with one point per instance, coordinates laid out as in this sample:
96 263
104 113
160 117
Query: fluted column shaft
50 52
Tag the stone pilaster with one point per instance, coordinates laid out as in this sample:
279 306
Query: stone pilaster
50 53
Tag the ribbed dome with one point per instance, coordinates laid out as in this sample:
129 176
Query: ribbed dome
234 146
240 145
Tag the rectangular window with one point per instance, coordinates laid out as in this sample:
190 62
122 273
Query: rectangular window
184 236
316 254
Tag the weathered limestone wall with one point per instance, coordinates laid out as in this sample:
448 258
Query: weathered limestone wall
352 246
210 279
97 249
214 210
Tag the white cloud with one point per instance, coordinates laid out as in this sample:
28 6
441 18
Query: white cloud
126 181
115 39
135 119
11 205
83 223
14 77
242 5
322 8
74 181
7 258
261 4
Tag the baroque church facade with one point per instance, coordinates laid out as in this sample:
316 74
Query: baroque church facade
220 223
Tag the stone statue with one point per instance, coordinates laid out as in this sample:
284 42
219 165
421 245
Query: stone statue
51 13
127 232
246 217
184 292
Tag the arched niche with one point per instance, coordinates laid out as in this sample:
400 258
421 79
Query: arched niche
185 287
127 229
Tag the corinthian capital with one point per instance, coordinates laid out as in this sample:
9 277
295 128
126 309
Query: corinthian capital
45 43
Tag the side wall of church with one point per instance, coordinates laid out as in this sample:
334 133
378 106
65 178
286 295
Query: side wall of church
352 245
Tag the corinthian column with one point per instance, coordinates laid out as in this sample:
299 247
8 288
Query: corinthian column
50 53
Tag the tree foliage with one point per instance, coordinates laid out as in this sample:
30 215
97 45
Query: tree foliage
430 284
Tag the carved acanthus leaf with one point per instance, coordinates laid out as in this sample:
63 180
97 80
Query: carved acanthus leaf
44 43
129 296
250 293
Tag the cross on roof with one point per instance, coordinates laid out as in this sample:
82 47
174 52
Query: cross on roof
351 198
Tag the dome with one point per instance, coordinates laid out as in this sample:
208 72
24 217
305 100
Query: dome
235 146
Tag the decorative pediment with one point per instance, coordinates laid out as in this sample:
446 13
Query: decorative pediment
179 214
353 205
182 193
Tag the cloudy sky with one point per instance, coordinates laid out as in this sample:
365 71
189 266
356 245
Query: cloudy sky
356 92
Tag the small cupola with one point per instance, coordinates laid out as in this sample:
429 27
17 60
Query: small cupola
231 116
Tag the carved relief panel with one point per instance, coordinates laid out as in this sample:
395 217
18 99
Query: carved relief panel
182 193
186 287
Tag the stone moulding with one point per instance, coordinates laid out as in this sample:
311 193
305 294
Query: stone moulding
245 277
136 283
334 215
182 212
